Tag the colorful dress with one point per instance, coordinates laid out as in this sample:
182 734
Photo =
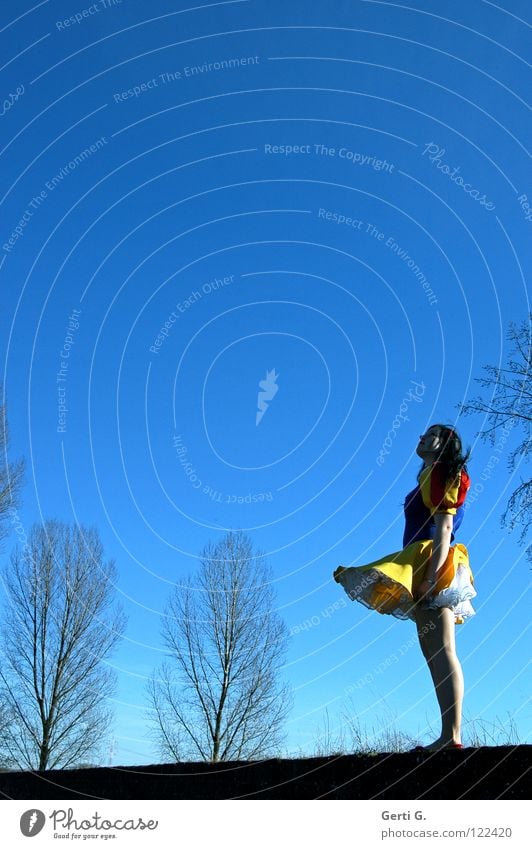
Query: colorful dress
388 585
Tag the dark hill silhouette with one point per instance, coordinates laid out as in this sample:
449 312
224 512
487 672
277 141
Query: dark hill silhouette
489 772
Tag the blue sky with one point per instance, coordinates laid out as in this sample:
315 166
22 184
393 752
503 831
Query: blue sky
196 195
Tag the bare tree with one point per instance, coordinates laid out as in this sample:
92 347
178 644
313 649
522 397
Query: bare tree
11 474
510 406
219 697
59 627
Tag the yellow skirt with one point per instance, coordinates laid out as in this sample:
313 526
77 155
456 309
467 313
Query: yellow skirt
388 584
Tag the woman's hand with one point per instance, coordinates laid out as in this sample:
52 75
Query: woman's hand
424 590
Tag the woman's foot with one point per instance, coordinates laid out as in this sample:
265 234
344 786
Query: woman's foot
440 744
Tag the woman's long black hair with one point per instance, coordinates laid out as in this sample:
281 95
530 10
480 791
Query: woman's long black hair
451 454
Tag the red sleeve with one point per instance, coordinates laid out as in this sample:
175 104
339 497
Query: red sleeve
441 495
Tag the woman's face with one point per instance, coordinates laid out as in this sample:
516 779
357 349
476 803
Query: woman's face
429 444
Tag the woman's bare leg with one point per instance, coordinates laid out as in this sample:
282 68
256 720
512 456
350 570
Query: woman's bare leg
436 633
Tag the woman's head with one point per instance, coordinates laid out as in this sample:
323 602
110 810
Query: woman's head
441 442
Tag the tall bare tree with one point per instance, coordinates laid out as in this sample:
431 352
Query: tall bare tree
509 406
60 625
11 474
219 696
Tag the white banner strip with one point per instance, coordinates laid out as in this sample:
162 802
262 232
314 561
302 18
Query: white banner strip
258 823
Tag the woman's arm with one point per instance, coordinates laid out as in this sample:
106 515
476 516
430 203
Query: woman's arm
440 545
440 551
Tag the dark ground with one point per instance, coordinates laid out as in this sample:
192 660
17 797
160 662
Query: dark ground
494 772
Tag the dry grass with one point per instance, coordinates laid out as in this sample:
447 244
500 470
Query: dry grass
354 737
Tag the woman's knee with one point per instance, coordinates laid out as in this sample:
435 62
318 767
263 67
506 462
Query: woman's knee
427 629
447 629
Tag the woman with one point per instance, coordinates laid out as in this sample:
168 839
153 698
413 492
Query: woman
430 580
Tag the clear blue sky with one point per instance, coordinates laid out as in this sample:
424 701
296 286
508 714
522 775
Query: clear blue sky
334 191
